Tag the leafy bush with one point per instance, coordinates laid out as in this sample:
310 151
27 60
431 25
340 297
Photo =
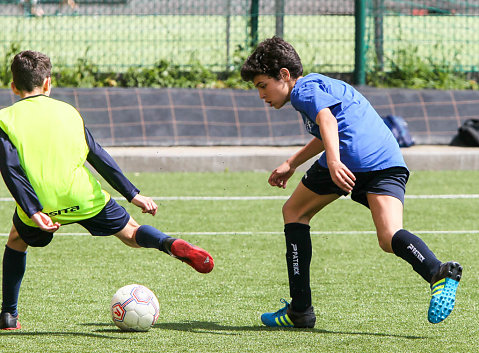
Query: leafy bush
165 74
410 70
84 73
6 61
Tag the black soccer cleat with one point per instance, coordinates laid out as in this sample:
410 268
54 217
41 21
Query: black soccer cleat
9 322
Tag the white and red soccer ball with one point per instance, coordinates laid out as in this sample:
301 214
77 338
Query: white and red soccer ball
134 308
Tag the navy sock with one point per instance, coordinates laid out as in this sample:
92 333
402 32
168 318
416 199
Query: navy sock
150 237
14 263
412 249
298 258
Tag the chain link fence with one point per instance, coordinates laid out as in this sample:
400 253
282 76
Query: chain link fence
443 32
118 34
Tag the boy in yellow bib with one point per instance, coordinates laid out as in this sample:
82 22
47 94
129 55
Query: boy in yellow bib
43 149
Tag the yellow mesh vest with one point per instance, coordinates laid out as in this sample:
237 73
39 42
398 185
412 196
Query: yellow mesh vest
50 139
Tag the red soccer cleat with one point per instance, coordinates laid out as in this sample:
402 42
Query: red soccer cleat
194 256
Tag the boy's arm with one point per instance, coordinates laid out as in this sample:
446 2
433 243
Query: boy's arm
312 148
279 177
106 166
15 177
328 126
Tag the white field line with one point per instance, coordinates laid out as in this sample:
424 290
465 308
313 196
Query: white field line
339 232
248 198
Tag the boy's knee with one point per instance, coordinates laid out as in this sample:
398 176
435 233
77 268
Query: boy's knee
34 237
290 214
285 209
296 215
17 244
384 241
128 235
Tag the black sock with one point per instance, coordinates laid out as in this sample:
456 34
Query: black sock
412 249
150 237
14 263
298 259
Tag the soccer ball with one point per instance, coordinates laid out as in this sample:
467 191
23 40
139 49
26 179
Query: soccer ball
134 308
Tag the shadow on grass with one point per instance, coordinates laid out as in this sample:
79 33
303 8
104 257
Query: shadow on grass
21 332
215 328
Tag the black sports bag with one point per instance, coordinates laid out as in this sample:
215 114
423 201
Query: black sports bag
468 133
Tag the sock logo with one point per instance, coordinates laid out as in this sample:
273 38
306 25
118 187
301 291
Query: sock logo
295 259
415 252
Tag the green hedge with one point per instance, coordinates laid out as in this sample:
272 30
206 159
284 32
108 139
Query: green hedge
409 70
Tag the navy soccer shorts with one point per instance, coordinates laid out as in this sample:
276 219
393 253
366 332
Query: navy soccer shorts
110 220
390 181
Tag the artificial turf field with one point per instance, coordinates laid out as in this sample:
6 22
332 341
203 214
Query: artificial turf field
365 300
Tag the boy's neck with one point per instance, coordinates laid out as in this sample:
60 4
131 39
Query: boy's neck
36 92
44 89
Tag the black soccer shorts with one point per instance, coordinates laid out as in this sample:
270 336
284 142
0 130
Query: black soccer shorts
110 220
390 181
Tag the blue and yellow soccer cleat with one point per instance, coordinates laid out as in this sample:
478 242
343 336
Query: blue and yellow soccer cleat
286 317
443 290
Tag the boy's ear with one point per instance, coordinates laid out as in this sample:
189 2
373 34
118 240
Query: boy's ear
284 74
14 89
47 85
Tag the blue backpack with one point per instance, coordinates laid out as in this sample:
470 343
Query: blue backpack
398 127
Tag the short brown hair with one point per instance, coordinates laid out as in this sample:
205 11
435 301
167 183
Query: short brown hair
29 70
270 57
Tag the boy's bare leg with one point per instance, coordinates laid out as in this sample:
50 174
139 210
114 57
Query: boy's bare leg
146 236
443 277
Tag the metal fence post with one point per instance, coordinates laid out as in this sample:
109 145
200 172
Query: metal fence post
378 32
359 51
254 22
279 9
228 29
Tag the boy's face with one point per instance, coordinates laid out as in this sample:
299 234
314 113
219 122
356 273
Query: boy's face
274 92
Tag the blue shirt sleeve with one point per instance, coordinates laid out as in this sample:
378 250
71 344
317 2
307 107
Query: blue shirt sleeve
312 97
15 178
106 166
309 98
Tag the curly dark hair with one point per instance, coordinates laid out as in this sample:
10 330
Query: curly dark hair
29 70
269 57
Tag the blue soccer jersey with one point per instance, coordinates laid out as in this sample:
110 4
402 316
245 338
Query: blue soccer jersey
365 142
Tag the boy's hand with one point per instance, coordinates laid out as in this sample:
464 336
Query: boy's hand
342 176
279 177
146 204
44 222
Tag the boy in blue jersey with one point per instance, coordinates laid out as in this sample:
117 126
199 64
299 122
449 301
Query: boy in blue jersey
360 157
43 149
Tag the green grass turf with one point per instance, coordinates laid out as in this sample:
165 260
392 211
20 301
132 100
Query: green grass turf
365 300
